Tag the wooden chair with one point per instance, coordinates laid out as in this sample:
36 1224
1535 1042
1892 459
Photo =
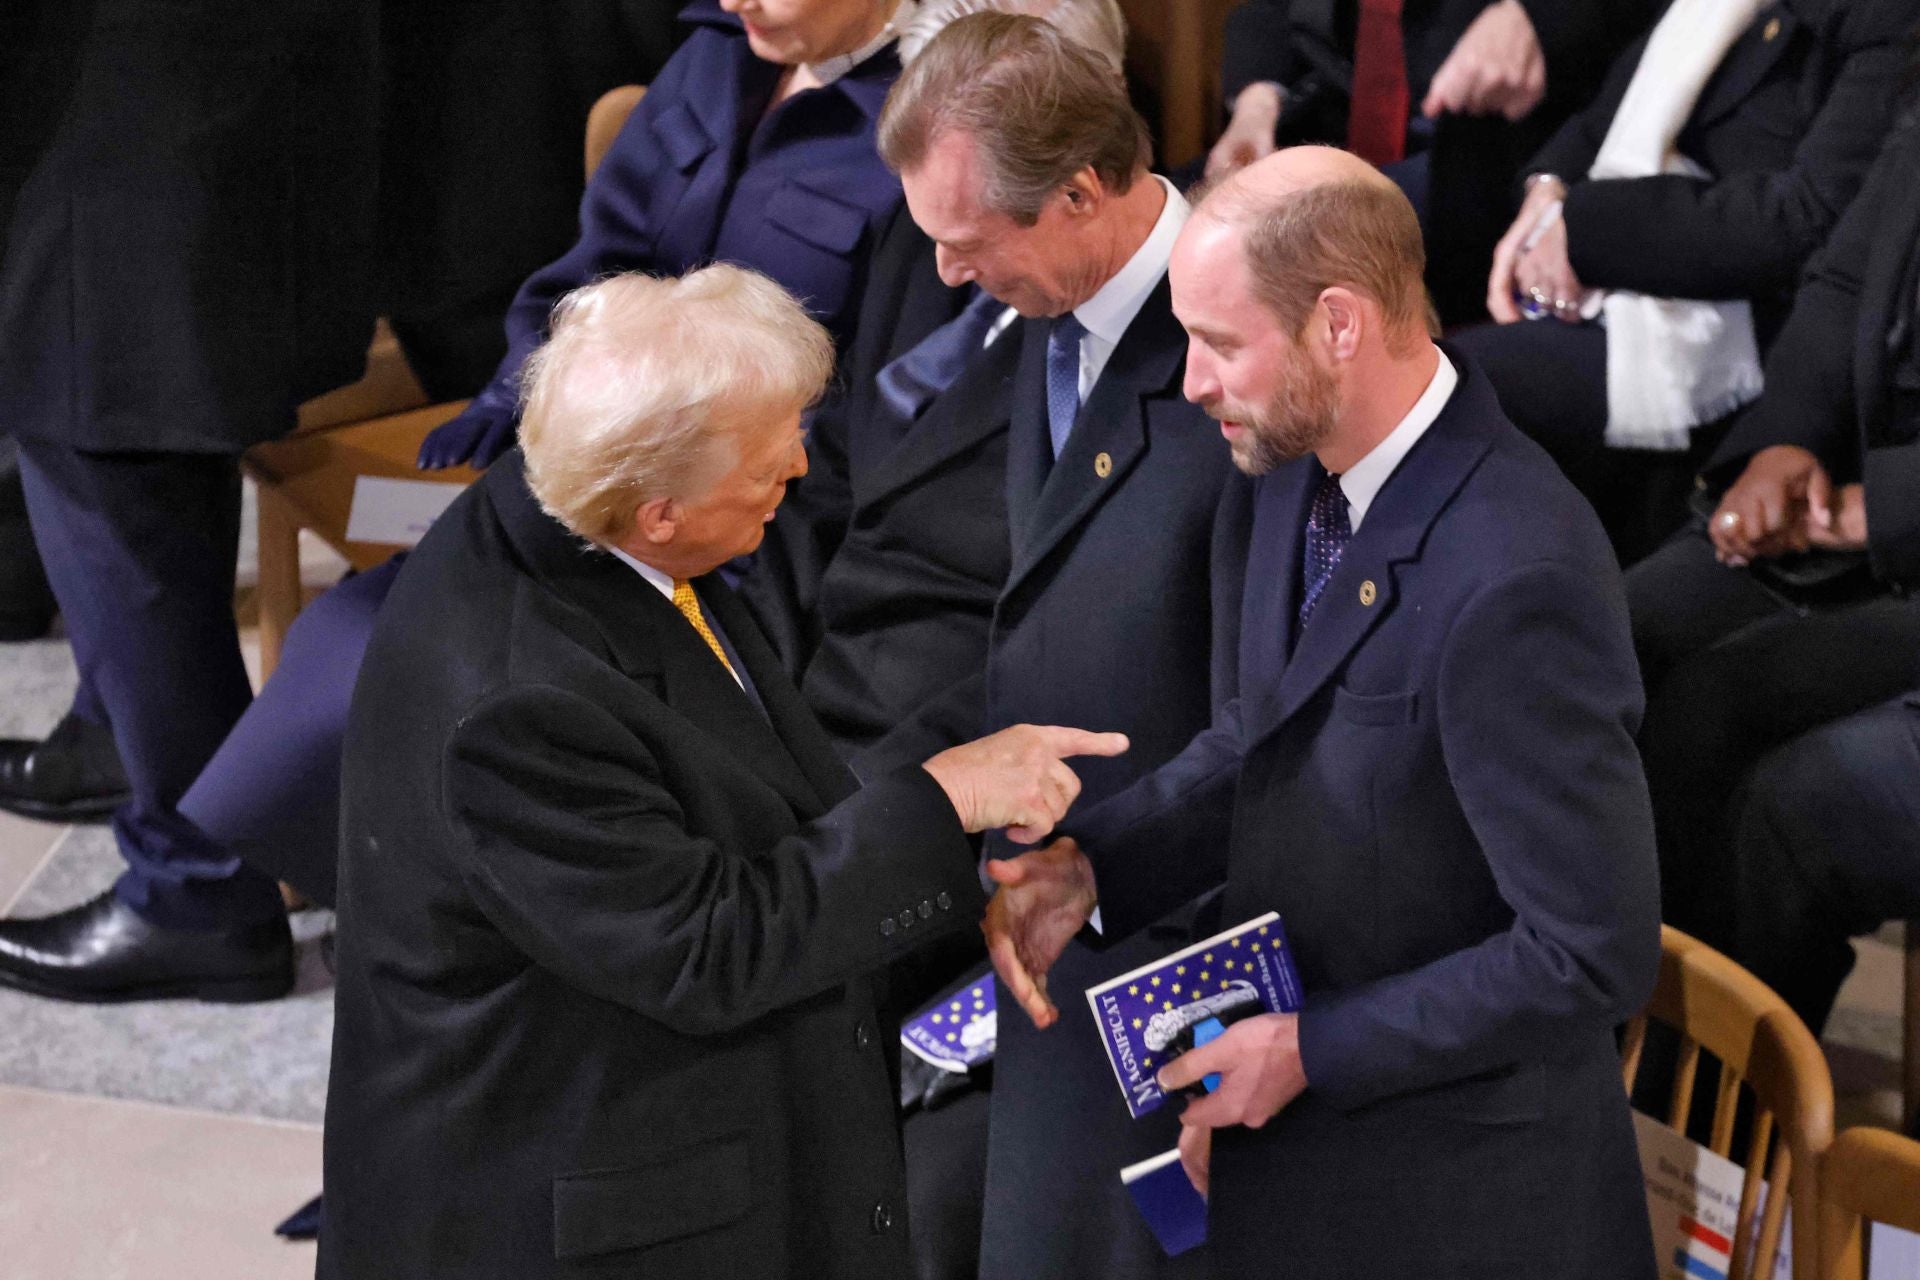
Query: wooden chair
1910 1065
1868 1175
372 427
1765 1052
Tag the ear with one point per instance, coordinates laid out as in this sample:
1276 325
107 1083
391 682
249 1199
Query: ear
1345 322
1084 192
656 521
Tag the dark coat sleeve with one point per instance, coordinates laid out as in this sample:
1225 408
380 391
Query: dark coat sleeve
1540 750
1576 37
1748 232
570 839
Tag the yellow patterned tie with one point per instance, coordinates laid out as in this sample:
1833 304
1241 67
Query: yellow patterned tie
689 604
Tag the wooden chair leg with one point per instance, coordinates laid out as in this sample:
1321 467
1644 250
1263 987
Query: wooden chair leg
1910 1092
279 589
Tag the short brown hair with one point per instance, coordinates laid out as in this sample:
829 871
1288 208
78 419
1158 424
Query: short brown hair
1358 234
1038 105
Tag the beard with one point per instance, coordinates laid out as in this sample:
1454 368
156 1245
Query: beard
1298 419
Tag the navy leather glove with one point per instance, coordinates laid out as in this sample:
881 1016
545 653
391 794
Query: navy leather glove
479 435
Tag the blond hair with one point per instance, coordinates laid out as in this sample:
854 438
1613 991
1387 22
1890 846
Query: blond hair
1039 106
644 384
1359 234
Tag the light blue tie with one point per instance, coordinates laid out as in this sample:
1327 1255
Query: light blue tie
909 384
1063 378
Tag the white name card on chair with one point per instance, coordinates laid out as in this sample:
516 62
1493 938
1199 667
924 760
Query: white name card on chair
397 512
1694 1195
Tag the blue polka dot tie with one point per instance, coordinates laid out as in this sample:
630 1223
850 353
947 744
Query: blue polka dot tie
1063 378
1327 534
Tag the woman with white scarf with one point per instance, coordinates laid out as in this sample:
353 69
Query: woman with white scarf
1662 230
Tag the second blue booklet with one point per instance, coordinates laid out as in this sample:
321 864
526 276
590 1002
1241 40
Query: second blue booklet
1146 1018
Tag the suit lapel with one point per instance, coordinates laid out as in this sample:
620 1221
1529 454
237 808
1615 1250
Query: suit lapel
1109 437
1029 449
977 406
802 743
1884 280
1392 534
1747 63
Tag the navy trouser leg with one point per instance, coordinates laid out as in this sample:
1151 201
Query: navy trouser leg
271 793
1826 841
140 550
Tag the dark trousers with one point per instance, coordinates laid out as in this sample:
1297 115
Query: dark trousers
1826 842
1552 382
140 550
1734 670
271 794
24 597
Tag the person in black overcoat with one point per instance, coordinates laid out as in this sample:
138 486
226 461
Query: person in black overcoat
1108 612
610 905
1783 131
1787 604
188 258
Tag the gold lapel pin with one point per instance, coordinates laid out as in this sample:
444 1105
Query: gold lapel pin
1367 593
1103 465
1772 29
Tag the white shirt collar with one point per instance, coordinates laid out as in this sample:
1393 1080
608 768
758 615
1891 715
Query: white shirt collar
828 70
1108 312
1362 481
663 581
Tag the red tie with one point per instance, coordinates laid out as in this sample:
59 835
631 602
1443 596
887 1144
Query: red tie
1377 118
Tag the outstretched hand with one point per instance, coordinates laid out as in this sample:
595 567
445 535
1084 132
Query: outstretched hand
1043 900
1016 779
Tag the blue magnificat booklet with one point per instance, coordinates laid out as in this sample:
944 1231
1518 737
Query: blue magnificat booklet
1152 1015
1175 1212
956 1031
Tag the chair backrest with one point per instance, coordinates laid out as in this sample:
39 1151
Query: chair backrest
1867 1175
605 120
1765 1051
1910 1050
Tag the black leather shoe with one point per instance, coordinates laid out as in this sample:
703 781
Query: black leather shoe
74 775
104 952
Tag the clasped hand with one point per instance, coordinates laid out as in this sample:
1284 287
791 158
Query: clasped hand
1043 899
1783 502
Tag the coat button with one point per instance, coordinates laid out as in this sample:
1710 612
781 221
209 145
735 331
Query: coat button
886 927
944 902
926 910
882 1219
862 1035
906 918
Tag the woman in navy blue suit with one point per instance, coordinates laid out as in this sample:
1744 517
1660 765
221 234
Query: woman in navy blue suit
755 145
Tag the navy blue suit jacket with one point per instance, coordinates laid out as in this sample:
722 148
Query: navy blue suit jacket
1116 613
1439 792
698 176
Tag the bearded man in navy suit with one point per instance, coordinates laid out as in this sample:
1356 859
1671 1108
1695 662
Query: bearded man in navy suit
1429 772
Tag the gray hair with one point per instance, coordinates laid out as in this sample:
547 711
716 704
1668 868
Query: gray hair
1096 24
1039 108
645 383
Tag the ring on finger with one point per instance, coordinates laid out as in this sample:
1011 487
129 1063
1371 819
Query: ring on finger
1729 519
